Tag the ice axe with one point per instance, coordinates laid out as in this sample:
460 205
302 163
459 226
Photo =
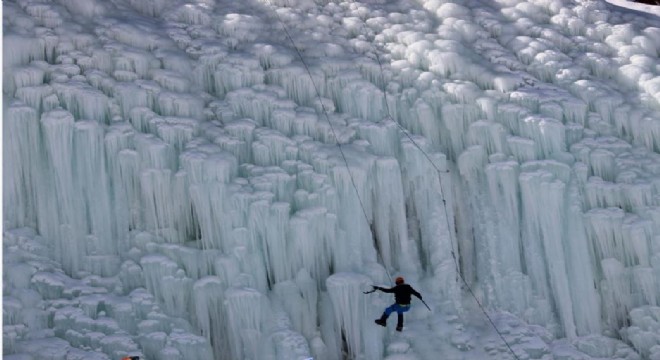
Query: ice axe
424 302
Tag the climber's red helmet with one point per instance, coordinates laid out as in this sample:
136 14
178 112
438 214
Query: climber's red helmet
399 280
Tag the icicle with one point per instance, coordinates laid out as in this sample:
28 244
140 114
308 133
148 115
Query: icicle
130 96
637 195
289 295
426 122
390 217
504 193
428 195
22 151
92 182
582 266
24 50
154 153
510 116
457 119
122 168
231 76
288 344
257 105
153 343
241 27
27 76
362 99
170 80
615 291
83 101
601 194
208 295
350 251
155 268
176 292
522 149
272 148
191 346
181 105
272 237
307 234
543 231
160 204
282 185
548 134
491 136
210 203
350 309
130 275
644 288
175 131
57 127
37 97
296 82
383 137
246 312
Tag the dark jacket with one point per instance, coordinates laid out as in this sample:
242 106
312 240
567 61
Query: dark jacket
402 293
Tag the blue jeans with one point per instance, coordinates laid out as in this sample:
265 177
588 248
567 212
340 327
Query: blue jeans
400 309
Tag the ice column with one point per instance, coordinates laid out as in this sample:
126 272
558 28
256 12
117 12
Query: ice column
309 241
191 346
362 99
430 215
470 167
296 82
158 203
299 300
247 310
351 316
155 268
548 134
83 101
57 128
543 199
22 149
122 165
457 119
177 290
616 293
390 216
348 250
382 136
209 295
580 265
504 189
92 182
210 201
271 225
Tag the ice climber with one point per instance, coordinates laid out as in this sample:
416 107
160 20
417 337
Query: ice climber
402 294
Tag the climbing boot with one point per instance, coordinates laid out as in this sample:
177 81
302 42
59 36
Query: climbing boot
399 322
382 321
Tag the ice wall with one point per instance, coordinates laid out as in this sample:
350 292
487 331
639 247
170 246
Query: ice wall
181 183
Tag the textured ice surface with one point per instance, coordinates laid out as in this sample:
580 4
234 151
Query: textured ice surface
173 187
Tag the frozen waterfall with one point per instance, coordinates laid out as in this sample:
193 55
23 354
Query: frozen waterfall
179 184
